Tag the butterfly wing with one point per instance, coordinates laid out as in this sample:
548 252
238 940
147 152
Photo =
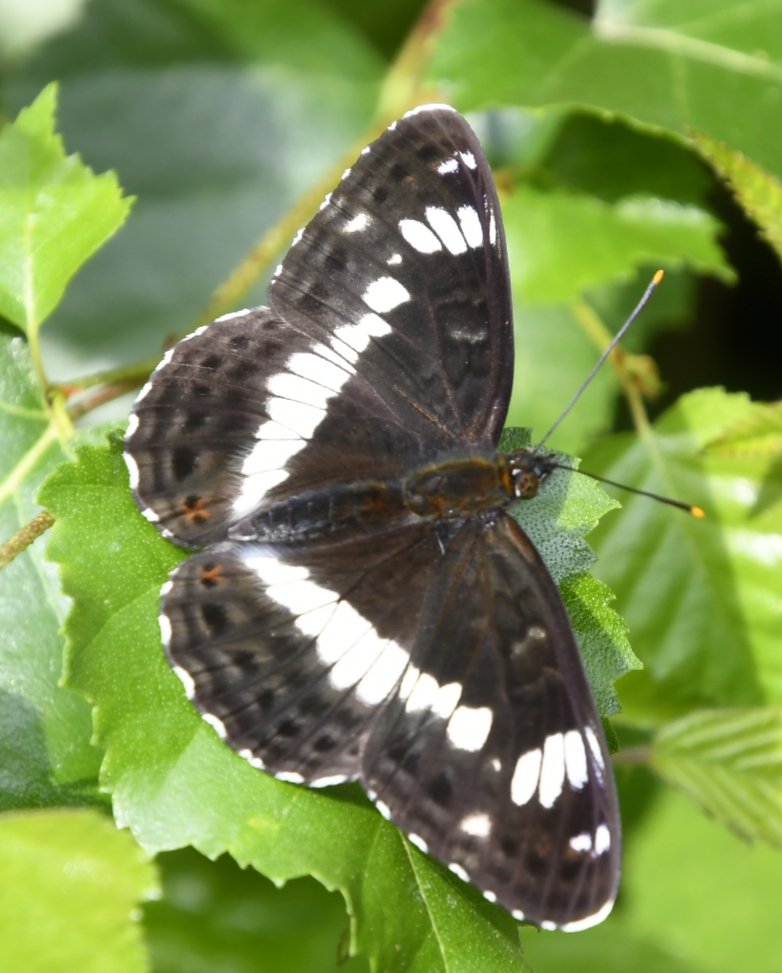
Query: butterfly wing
492 753
449 682
389 340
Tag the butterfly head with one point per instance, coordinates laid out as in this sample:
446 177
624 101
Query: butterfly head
527 468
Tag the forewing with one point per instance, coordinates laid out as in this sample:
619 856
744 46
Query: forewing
404 273
390 342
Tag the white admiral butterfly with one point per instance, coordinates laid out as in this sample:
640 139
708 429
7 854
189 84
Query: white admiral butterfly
364 606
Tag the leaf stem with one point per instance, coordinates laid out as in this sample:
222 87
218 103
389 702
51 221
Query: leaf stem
24 537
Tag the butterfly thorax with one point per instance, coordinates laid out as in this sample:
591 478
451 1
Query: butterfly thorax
452 488
466 486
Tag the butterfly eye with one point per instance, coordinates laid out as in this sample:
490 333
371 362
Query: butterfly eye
361 605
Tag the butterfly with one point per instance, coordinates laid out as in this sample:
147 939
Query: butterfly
362 605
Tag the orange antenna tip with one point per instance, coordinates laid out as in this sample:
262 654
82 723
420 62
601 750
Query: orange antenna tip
658 277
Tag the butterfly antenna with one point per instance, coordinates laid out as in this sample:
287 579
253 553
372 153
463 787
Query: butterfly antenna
697 512
614 342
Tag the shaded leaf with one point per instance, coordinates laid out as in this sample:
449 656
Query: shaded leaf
215 915
45 729
758 192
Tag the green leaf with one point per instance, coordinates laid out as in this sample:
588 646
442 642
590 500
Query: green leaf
700 596
56 214
600 242
730 763
218 117
217 916
567 508
45 729
162 760
677 66
70 893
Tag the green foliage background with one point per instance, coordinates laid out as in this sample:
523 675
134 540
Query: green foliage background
155 187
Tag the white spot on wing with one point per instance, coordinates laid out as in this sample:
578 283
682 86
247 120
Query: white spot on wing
575 760
424 109
325 202
383 808
419 842
525 777
419 236
594 746
469 727
384 674
450 165
602 839
227 317
446 227
458 870
447 699
250 757
581 842
552 770
579 924
328 781
384 294
184 677
492 229
350 662
352 339
478 824
298 389
165 631
132 465
216 723
394 260
419 690
468 159
358 223
145 390
317 369
289 776
470 225
357 657
300 418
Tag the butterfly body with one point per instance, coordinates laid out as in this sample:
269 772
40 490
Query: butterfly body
363 605
451 489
